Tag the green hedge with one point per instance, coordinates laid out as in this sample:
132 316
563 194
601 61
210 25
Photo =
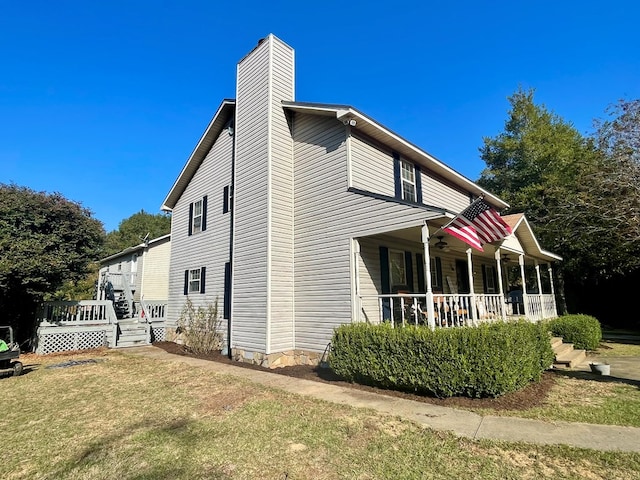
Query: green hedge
485 361
583 331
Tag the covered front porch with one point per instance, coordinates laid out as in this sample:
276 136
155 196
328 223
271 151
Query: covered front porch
457 285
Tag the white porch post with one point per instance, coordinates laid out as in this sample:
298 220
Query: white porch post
538 277
553 290
472 307
500 282
525 299
427 272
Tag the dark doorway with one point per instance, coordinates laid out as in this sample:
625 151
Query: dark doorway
462 276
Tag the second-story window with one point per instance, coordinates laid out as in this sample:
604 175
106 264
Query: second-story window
408 178
198 216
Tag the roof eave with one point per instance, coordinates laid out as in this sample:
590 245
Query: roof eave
363 122
198 154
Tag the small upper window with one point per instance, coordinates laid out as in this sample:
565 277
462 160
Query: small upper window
408 179
196 225
194 281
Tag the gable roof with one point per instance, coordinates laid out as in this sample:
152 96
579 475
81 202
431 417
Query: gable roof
379 132
521 228
218 122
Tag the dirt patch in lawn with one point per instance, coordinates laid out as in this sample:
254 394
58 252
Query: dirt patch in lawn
533 395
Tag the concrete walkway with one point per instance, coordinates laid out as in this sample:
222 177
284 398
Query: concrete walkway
460 422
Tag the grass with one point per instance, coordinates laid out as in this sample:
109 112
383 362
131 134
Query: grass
610 348
580 398
576 399
136 418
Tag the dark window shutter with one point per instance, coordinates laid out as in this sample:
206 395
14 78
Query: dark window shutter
203 276
408 268
420 270
439 271
396 174
204 213
186 282
418 183
384 270
190 218
227 291
225 200
484 279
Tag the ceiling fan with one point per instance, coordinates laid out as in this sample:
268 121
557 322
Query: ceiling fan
441 244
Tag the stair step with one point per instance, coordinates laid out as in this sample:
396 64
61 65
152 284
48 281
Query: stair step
563 349
571 359
555 341
130 343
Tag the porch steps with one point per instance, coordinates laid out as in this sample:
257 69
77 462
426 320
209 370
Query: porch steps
131 333
565 355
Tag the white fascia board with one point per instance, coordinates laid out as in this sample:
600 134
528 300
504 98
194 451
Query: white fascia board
196 157
344 113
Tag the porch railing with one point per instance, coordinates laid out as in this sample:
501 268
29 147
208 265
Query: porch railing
84 312
541 307
154 310
450 310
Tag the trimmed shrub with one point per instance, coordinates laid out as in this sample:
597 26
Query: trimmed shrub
583 331
485 361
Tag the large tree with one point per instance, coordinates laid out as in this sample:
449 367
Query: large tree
133 230
580 193
45 240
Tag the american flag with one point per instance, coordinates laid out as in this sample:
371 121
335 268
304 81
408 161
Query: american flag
478 224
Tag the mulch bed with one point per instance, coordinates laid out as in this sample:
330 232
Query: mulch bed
531 396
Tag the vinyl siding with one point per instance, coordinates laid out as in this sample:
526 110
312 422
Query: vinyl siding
372 170
327 216
209 248
372 167
155 271
440 194
281 228
263 245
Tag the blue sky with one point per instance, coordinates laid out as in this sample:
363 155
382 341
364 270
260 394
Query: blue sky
104 101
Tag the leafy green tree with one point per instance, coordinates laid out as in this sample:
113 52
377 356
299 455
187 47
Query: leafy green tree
580 193
45 241
133 230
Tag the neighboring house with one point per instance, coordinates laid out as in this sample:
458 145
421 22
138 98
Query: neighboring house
129 309
134 274
299 217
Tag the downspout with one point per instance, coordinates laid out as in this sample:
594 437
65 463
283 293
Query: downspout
232 207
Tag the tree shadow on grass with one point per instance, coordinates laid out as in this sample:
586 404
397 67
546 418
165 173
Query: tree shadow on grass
98 453
597 378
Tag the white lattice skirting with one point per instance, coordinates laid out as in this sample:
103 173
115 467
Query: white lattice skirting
158 334
68 341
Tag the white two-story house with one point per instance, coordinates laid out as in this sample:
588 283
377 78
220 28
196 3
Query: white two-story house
299 217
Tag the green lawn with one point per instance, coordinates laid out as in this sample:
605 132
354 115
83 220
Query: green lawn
135 418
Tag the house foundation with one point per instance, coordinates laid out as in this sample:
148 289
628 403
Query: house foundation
287 358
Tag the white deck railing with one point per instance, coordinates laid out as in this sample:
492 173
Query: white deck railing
84 312
154 310
450 310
